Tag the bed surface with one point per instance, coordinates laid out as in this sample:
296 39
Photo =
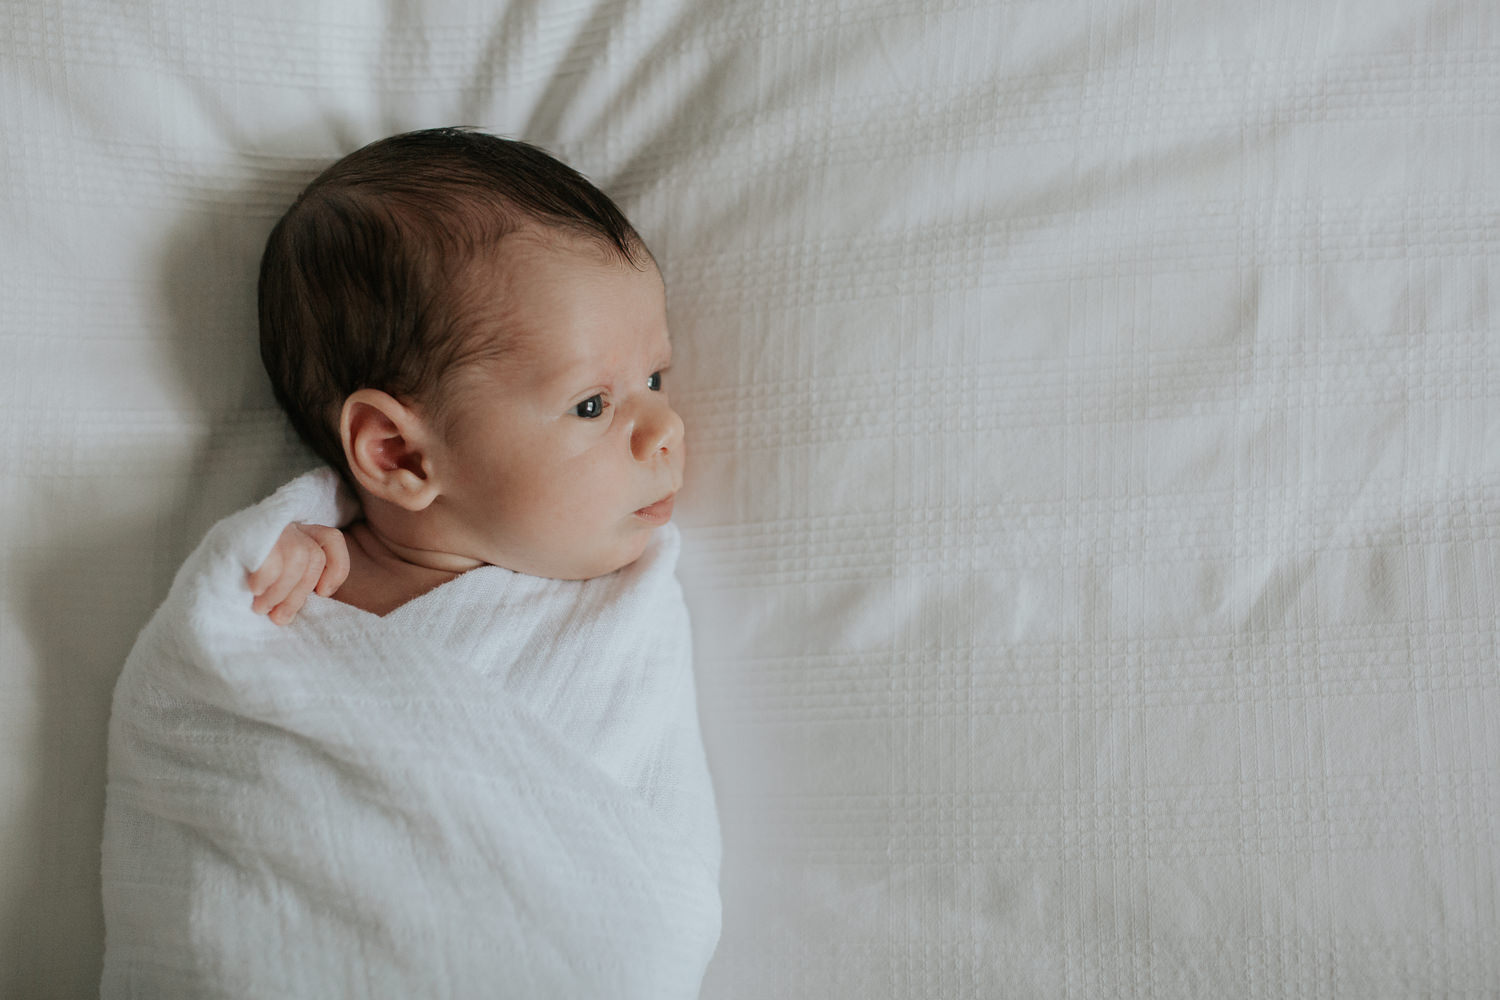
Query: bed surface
1092 524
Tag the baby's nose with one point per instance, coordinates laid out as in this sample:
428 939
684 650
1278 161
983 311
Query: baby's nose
658 431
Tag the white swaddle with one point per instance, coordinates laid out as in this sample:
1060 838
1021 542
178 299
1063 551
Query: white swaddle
498 789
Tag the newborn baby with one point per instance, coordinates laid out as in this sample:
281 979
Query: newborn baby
476 769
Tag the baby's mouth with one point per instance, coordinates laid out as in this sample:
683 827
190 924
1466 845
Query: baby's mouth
659 512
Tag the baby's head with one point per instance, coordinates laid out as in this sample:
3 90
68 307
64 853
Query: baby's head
475 337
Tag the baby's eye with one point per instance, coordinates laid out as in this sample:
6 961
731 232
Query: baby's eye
590 408
654 382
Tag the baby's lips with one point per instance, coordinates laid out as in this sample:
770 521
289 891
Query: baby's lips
659 512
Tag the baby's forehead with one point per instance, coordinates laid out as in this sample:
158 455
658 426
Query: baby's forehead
540 301
507 265
534 239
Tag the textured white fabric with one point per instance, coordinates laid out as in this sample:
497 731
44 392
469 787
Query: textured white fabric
1092 513
496 789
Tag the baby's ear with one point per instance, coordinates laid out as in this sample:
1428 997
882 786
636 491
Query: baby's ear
386 445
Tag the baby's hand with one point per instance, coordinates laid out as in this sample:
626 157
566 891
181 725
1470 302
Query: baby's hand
307 558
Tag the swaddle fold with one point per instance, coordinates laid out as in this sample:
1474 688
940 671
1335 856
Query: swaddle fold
498 790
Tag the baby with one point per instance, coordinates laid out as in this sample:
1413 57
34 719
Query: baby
475 338
482 757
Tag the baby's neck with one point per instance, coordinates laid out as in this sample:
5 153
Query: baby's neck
383 575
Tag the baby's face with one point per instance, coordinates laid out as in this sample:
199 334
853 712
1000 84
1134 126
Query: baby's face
565 452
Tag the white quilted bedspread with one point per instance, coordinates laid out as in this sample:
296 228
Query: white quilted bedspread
1093 521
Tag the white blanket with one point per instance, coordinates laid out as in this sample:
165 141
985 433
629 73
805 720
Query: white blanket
497 790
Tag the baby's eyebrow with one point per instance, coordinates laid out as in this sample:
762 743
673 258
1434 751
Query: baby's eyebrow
574 379
576 373
568 368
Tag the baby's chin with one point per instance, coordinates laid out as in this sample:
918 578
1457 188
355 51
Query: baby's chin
598 564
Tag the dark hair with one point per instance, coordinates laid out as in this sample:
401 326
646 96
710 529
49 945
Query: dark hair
362 280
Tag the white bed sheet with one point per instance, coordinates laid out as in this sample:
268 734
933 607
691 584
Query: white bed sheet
1092 524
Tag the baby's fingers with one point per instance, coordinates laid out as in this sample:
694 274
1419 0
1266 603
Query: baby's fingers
335 552
260 579
296 596
294 567
307 558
